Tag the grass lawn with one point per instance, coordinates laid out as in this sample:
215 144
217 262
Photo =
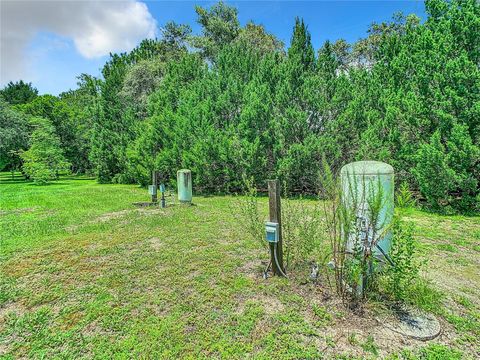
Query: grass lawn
86 274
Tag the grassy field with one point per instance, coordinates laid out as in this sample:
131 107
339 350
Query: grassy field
86 274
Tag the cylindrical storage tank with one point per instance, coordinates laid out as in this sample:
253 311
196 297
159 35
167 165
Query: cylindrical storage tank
184 184
361 182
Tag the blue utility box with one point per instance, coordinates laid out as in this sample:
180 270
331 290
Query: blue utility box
271 232
162 188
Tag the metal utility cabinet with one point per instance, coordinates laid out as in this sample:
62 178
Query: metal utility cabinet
184 184
360 181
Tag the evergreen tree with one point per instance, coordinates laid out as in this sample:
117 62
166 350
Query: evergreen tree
301 49
296 105
114 125
238 105
18 93
44 160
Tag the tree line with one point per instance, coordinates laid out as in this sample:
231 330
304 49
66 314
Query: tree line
233 103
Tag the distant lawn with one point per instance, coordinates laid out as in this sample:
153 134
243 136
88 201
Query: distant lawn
84 273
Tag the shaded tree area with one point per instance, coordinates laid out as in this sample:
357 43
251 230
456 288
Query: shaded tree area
18 93
232 103
14 136
44 160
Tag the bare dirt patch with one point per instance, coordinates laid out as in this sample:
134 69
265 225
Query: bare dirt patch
118 215
111 216
151 211
155 243
271 305
147 211
349 334
19 211
452 281
349 331
13 307
253 269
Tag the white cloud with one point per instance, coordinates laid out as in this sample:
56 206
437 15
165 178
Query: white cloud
96 29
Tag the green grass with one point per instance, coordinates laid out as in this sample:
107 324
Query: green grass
85 274
370 346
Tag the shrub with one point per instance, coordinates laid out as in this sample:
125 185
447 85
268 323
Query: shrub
301 225
439 351
299 167
432 173
44 160
446 173
463 158
302 231
248 208
404 198
400 277
13 136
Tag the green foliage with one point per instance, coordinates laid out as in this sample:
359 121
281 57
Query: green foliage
432 172
404 198
301 226
370 346
70 124
400 277
14 133
303 239
354 230
301 48
44 160
231 101
175 37
401 280
18 93
299 167
114 115
439 351
255 36
220 26
248 208
447 174
322 315
141 80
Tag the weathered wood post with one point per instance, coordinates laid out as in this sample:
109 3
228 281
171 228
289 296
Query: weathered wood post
276 249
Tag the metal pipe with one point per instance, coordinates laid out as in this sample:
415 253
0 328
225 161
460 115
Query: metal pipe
276 260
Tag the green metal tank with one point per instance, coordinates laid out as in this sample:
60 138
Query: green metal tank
361 181
184 184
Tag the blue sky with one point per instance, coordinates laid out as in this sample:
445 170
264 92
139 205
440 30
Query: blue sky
54 52
326 20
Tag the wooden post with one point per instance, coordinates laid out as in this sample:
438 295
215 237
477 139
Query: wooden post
155 184
276 216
